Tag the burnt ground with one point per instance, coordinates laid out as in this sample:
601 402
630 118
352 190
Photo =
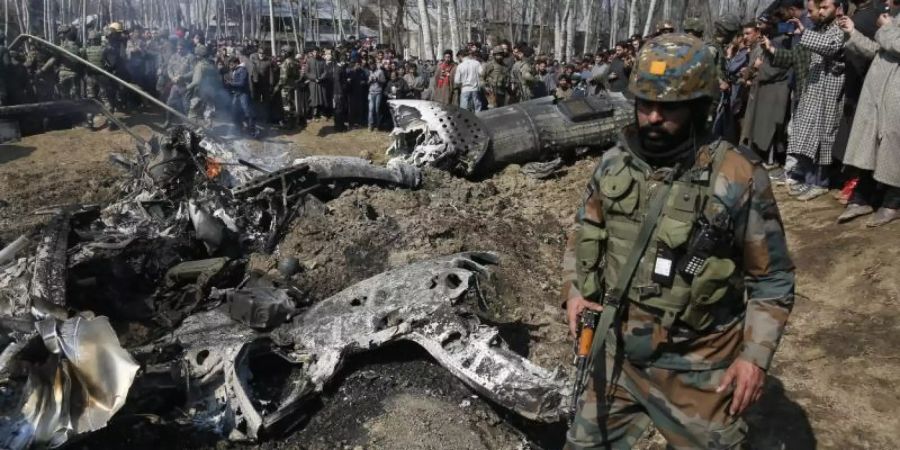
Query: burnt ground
833 384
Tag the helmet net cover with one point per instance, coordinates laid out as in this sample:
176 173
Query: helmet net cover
674 67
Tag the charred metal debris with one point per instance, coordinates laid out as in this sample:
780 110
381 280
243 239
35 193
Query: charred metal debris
540 134
242 352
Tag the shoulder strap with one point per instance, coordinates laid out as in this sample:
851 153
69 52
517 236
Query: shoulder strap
613 301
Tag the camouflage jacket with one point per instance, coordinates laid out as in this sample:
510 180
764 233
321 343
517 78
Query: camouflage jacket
69 67
522 78
180 68
289 74
496 77
748 329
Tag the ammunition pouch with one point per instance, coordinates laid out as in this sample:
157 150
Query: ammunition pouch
658 283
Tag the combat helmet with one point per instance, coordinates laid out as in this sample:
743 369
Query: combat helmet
115 27
201 51
287 51
666 26
674 67
497 50
694 24
728 25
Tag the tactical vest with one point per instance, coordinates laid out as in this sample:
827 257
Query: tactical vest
289 74
69 67
95 55
626 192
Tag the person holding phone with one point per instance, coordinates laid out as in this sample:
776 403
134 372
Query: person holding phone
818 114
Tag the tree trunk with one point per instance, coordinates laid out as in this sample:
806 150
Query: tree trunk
425 26
649 17
570 29
441 44
272 26
509 22
632 17
667 9
381 21
453 22
83 21
557 32
541 20
294 21
589 40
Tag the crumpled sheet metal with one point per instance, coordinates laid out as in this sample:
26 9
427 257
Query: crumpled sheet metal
77 389
428 303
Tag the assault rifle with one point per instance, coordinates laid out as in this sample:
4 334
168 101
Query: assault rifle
587 324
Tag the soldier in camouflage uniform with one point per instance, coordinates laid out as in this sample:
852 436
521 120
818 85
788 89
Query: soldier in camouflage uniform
289 76
69 86
675 229
522 76
180 70
495 79
96 82
205 82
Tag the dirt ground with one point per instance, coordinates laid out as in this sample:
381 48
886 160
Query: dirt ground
833 384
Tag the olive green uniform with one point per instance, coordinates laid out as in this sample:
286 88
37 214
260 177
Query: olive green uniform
69 86
96 82
680 325
522 81
202 89
495 79
289 77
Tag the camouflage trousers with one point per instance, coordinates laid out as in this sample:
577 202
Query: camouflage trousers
683 405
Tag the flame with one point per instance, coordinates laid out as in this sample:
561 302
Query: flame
213 168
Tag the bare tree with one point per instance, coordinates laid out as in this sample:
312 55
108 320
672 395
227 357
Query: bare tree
558 38
453 22
571 5
649 17
425 26
632 17
588 21
272 26
440 27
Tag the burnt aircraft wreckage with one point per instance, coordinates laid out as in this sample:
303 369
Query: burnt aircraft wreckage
171 257
541 132
171 254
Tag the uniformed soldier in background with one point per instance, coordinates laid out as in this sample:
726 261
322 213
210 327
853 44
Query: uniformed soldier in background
495 79
522 75
289 76
204 86
70 71
679 242
180 70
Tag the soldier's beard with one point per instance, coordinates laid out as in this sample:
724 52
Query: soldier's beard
656 139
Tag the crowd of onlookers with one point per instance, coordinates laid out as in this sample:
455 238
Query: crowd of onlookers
810 89
808 86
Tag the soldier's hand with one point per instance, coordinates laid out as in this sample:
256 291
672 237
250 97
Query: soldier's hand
748 380
574 307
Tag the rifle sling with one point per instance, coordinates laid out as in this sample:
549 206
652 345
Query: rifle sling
614 299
